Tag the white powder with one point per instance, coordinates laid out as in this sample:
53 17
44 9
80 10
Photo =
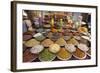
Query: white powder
70 47
36 49
83 47
38 34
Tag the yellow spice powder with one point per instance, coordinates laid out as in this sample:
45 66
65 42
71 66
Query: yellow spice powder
63 54
73 41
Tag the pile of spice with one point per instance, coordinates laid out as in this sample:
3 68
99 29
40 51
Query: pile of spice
63 54
73 41
79 54
39 37
28 56
36 49
54 48
47 42
61 42
31 43
70 47
46 55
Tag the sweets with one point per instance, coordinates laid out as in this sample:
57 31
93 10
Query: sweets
64 54
54 48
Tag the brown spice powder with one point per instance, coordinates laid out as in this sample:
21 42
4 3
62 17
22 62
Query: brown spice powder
28 56
78 53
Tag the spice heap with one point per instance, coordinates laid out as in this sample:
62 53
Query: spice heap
61 42
79 54
39 37
31 43
46 55
54 48
73 41
47 42
70 47
28 56
63 54
36 49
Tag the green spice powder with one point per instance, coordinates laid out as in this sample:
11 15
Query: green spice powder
45 55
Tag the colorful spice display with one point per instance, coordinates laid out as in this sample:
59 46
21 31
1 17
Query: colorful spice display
55 36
